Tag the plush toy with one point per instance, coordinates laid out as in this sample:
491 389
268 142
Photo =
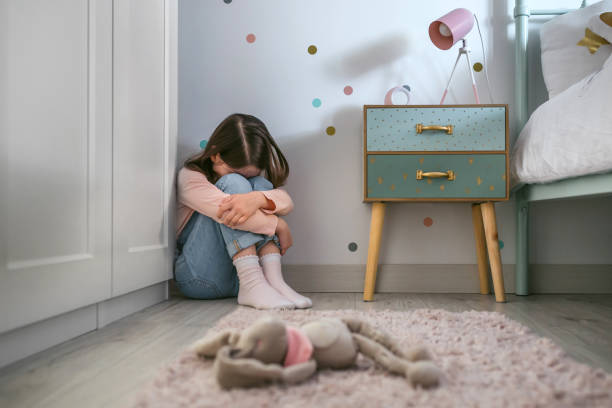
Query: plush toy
271 351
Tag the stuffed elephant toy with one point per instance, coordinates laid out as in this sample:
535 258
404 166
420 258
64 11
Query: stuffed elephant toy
271 351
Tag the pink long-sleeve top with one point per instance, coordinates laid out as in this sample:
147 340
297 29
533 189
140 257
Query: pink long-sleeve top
196 193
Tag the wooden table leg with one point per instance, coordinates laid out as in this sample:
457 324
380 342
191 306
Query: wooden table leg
481 249
490 227
376 225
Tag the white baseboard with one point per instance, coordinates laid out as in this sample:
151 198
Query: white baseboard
447 278
25 341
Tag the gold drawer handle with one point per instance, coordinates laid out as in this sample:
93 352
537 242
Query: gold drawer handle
420 128
435 174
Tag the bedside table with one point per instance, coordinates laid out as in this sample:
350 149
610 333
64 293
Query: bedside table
438 153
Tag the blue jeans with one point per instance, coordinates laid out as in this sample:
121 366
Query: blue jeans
203 267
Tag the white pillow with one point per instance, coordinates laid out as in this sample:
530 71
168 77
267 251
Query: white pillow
601 27
563 62
569 135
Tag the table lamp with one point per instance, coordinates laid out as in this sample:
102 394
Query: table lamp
449 29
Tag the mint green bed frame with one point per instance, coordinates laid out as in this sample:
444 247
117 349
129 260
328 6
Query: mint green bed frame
585 186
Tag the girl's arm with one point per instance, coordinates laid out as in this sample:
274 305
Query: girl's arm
196 192
281 202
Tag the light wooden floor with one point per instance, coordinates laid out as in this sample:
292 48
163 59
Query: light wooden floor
106 367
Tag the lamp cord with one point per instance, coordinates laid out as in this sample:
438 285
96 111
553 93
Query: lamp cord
484 56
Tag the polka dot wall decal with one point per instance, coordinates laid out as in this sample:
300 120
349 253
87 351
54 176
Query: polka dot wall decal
478 67
348 90
316 102
501 244
250 38
312 50
352 246
330 130
203 143
428 222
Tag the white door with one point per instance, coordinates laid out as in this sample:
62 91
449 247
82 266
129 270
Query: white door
55 153
144 140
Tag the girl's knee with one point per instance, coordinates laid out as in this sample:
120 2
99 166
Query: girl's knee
260 183
234 183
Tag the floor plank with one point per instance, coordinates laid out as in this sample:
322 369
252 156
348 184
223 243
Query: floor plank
106 367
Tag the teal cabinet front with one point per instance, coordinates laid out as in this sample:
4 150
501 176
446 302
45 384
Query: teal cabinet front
417 128
472 177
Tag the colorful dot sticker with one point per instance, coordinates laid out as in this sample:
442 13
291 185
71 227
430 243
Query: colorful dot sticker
203 143
428 222
316 102
478 67
330 130
352 246
312 50
501 244
348 90
250 38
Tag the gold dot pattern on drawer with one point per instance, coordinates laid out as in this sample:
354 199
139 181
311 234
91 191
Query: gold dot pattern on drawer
392 187
421 160
504 176
475 128
442 187
429 181
478 180
470 160
491 187
372 160
418 190
380 180
405 176
467 190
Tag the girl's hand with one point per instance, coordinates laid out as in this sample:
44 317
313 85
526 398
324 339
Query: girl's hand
237 208
284 235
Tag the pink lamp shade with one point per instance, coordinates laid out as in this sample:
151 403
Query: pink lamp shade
451 27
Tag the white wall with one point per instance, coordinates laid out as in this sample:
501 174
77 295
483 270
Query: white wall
371 46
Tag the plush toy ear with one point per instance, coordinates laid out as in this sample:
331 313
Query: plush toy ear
209 345
243 372
249 372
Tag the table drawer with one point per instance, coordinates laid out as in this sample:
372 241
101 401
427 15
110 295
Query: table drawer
476 176
475 127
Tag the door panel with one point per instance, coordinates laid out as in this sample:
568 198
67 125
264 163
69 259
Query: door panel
56 152
143 139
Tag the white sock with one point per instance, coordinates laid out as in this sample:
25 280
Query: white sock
271 264
254 290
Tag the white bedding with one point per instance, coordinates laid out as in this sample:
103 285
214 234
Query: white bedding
569 135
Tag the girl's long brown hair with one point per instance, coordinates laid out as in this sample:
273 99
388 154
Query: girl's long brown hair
242 140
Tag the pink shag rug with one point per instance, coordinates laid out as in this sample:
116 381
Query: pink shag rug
488 361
